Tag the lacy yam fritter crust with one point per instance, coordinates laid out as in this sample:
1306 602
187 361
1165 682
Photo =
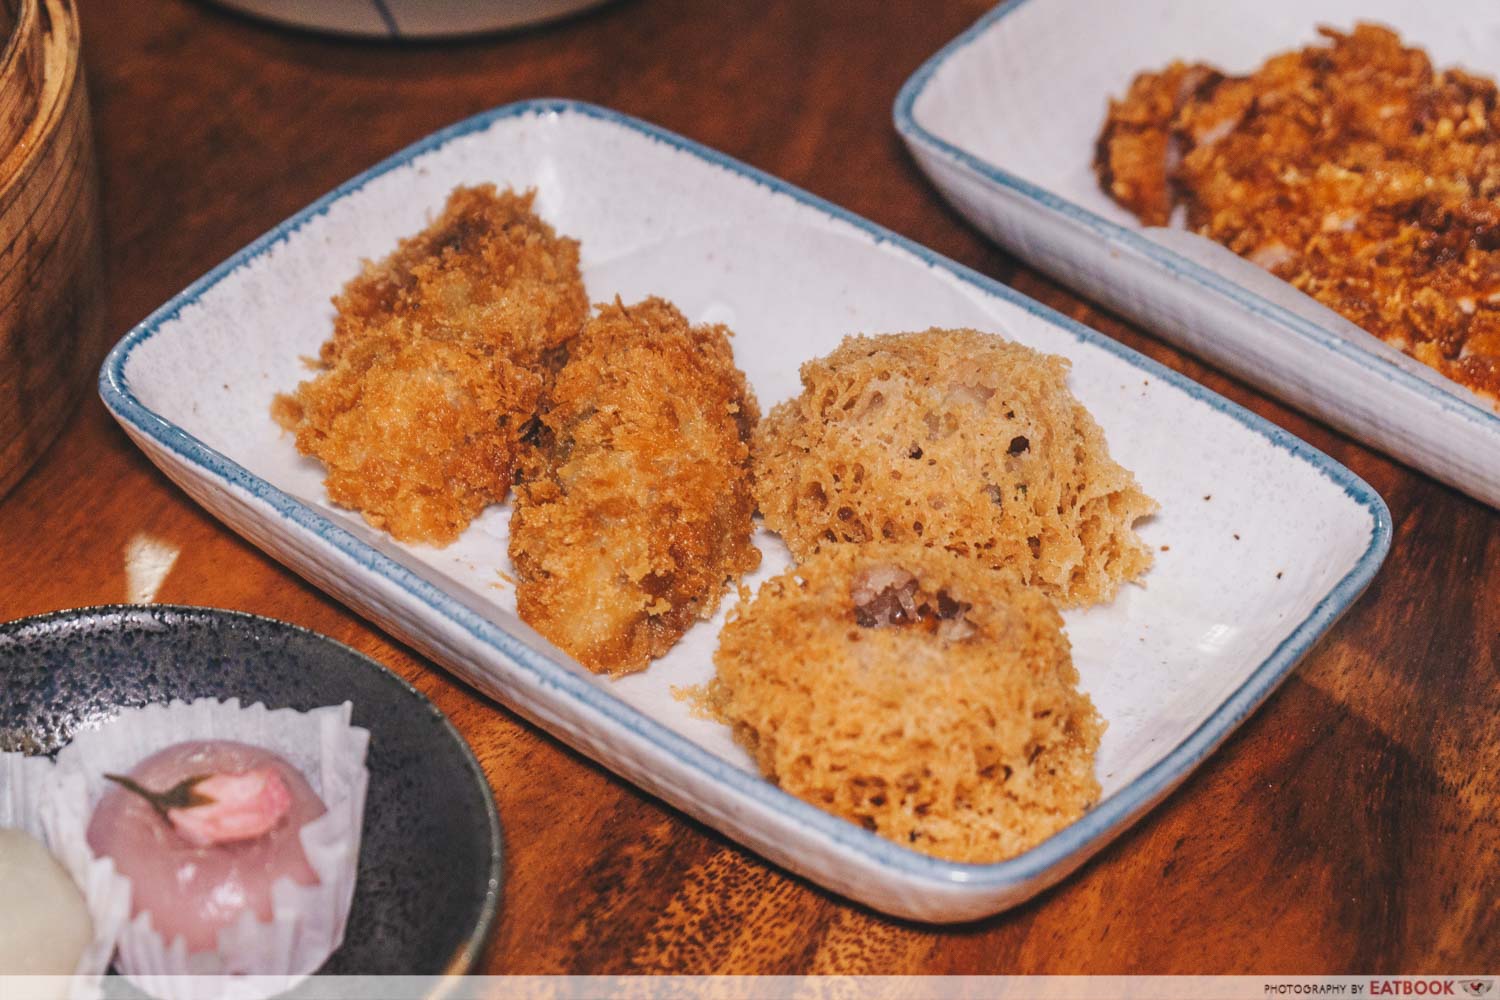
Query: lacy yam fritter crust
638 510
915 692
957 440
438 357
1352 169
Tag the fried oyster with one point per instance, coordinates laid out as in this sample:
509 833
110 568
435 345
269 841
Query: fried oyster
637 509
1353 170
437 360
958 440
915 692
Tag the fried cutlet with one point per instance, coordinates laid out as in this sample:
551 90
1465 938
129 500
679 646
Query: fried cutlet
488 266
637 509
915 692
1352 169
957 440
437 360
419 433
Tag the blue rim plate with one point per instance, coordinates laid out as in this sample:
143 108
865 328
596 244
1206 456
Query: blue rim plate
1411 412
630 741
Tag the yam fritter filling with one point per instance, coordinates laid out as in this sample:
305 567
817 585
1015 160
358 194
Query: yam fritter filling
638 510
957 440
915 692
1352 169
888 595
438 358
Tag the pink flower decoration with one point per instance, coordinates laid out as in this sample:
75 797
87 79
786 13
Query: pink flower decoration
237 807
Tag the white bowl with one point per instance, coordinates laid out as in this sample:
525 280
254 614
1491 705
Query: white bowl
1263 540
1004 121
410 19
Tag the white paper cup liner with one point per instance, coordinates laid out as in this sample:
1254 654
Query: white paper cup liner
254 958
35 799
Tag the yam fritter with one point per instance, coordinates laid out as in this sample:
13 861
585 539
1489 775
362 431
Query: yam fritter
637 510
957 440
439 355
1352 169
915 692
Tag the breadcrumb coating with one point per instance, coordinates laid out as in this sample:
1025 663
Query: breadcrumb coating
438 357
958 440
488 266
417 433
915 692
1352 169
637 508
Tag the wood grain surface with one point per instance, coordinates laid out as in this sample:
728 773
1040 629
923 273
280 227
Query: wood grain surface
1348 827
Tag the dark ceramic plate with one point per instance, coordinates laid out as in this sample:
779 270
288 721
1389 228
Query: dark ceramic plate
429 864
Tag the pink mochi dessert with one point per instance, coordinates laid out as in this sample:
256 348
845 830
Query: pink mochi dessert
203 830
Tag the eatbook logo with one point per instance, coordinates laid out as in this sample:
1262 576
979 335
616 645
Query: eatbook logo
1477 987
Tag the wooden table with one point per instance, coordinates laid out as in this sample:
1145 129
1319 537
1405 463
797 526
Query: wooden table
1349 826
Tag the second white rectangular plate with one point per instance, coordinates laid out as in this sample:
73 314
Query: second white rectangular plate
1263 541
1004 120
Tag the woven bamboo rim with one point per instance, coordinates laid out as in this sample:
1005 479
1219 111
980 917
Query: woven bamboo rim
50 295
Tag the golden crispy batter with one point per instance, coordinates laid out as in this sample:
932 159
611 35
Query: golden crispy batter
915 692
1135 152
436 363
959 440
488 266
1353 170
418 433
638 510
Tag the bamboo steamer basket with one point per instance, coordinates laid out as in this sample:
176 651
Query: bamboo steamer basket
51 295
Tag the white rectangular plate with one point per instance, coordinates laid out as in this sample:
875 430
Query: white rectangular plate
1004 120
1243 585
